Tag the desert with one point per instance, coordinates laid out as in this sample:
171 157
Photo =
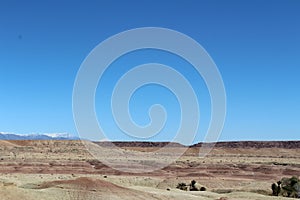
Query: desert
149 100
63 170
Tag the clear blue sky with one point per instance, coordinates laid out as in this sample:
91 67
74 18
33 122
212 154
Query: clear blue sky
255 44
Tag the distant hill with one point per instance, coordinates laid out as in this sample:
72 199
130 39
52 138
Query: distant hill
233 144
58 136
256 144
141 144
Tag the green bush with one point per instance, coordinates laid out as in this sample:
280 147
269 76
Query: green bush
287 187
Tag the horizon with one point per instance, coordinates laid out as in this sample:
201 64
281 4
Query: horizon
255 46
67 135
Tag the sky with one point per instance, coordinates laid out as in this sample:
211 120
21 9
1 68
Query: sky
255 45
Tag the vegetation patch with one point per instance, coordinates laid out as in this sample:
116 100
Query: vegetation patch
287 187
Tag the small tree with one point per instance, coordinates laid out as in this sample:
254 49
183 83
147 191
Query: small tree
275 189
287 187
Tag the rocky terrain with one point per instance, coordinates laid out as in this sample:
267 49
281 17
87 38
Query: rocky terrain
54 169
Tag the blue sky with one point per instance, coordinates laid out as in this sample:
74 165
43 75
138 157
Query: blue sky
255 44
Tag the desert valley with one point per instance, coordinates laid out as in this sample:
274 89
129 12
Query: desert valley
65 170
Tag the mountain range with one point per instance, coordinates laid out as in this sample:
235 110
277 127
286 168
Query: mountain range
42 136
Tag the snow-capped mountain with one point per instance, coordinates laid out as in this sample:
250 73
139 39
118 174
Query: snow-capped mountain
39 136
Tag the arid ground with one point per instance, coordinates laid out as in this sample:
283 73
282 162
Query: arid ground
65 170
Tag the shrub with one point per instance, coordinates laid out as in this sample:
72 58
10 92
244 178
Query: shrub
287 187
182 186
